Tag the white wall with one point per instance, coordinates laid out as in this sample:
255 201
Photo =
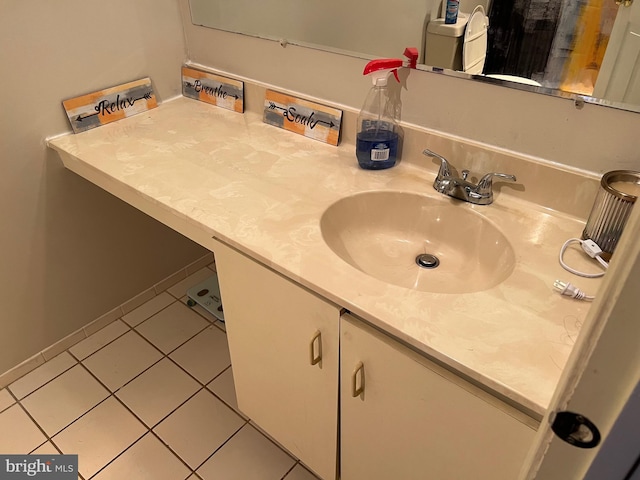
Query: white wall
70 251
596 138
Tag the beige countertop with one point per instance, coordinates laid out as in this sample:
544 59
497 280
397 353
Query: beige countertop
209 172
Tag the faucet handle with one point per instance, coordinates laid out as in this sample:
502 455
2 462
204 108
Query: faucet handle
485 185
445 166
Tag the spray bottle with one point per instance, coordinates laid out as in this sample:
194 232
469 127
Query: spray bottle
377 139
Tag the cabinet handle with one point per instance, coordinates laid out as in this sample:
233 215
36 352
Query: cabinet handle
358 390
316 355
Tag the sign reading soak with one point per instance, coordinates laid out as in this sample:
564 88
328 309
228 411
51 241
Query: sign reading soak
106 106
306 118
214 89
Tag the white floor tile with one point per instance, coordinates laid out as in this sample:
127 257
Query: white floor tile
225 389
147 459
172 326
82 417
64 399
205 355
41 375
99 339
100 435
63 344
103 321
249 455
199 427
300 473
122 360
46 449
6 400
180 288
148 309
138 300
199 310
158 391
18 433
22 369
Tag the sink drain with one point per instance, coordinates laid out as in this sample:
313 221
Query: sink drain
426 260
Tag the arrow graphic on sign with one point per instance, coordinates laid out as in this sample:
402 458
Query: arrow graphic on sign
329 124
273 106
81 118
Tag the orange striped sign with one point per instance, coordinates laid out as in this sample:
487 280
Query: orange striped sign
303 117
111 104
220 91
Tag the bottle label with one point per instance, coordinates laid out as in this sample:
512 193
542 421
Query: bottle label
380 152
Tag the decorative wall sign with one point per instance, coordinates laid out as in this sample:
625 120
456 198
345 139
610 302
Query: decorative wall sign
214 89
302 116
106 106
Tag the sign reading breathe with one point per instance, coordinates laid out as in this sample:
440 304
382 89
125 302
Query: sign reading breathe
214 89
106 106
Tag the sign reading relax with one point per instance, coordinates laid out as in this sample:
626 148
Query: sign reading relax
106 106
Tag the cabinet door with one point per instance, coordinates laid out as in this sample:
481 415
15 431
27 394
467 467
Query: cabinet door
274 328
416 420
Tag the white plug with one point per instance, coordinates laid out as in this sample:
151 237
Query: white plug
565 288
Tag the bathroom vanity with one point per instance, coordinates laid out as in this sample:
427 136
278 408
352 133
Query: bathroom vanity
356 373
297 362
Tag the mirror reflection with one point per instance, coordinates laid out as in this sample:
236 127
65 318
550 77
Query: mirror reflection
563 47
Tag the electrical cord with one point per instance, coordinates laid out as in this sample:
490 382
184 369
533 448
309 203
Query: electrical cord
592 249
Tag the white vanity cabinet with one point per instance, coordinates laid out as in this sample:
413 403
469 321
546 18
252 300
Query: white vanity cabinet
284 349
409 418
415 420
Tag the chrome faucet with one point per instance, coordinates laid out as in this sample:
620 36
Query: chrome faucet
448 183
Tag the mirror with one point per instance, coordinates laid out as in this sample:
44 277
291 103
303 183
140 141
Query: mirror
568 48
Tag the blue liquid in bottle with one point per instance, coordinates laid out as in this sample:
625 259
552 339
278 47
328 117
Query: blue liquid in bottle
451 12
377 150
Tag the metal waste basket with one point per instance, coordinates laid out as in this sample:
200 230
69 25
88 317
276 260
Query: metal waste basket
618 192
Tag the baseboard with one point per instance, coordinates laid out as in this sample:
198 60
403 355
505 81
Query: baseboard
102 321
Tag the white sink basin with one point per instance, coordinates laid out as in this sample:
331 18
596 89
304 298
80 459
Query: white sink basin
381 233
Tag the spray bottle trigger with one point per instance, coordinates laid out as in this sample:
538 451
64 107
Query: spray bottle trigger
412 54
395 74
382 64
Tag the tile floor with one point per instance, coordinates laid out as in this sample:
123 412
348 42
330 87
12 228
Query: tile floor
150 396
